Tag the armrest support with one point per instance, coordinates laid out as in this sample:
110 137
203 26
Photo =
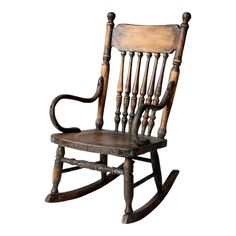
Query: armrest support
72 97
136 122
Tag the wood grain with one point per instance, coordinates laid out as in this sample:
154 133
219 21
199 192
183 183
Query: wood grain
146 38
107 142
134 40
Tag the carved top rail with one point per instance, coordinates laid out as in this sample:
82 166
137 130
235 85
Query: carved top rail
146 38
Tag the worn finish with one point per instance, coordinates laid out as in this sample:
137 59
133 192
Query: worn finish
57 170
105 69
139 100
107 142
174 75
128 184
146 38
93 166
103 160
157 94
156 170
76 193
167 96
76 98
127 92
153 202
149 94
119 92
135 91
143 88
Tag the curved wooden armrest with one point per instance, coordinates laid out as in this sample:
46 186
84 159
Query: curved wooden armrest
136 122
72 97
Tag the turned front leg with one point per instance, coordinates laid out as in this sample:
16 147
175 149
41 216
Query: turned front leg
57 171
128 184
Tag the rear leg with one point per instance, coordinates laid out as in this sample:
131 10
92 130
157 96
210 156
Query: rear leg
103 160
156 169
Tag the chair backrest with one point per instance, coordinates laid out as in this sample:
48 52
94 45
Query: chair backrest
143 41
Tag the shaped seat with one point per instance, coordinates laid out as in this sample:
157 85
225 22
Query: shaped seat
139 99
107 142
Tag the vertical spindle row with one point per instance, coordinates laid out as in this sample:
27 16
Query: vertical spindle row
148 96
150 93
127 92
157 94
119 91
135 91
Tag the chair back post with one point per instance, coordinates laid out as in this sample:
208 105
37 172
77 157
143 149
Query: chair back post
174 74
105 69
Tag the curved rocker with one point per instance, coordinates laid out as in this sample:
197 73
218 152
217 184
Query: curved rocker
69 195
153 202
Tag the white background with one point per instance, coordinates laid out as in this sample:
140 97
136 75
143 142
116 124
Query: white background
52 47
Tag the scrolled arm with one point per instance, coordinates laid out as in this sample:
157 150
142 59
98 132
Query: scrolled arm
136 122
72 97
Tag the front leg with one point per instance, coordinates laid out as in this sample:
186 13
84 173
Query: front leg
57 171
128 184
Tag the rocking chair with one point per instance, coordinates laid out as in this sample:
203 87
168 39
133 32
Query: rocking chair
131 136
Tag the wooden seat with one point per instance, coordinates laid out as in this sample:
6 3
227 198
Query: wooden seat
107 142
139 99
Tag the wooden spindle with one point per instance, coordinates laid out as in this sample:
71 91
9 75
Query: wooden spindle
135 91
157 94
150 93
144 82
127 92
119 91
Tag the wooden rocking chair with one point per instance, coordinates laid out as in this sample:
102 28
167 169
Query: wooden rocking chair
138 115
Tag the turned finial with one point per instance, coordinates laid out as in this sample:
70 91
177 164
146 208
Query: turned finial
111 16
186 17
